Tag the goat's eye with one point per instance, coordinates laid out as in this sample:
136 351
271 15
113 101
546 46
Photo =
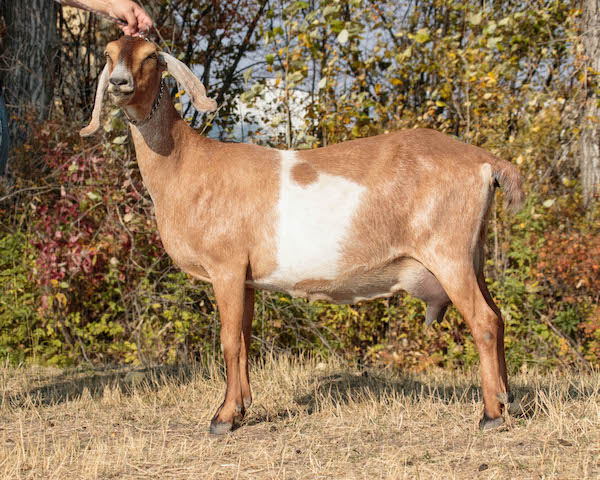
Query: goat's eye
150 57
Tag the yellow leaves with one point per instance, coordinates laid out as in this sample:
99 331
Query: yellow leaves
505 21
422 35
493 42
401 57
592 71
474 18
567 182
564 347
61 299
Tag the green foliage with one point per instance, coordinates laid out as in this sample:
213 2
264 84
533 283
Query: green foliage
17 299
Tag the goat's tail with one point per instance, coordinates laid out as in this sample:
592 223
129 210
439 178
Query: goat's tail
510 179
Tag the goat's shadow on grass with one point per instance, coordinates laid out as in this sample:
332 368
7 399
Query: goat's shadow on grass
343 388
72 384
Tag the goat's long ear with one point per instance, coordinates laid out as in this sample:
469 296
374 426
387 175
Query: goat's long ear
193 86
95 122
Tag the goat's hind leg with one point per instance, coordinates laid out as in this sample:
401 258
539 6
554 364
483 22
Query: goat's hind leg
505 398
487 327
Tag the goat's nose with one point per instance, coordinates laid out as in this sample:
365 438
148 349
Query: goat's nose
119 81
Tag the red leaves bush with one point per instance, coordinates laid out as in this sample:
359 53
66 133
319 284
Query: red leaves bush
569 268
570 264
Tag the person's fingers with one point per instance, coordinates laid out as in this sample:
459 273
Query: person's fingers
136 17
143 19
132 22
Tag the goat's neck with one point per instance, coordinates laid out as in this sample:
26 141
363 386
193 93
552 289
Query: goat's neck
156 148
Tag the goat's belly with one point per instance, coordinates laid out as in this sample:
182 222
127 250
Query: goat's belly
352 286
316 289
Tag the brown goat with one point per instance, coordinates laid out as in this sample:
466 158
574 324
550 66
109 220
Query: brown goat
349 222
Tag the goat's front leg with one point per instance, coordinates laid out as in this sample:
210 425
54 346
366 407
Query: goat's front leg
230 295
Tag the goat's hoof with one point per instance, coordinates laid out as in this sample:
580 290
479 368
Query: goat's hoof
220 428
488 423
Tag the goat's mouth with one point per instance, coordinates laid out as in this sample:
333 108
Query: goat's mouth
120 96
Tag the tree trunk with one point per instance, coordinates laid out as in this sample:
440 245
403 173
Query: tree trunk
26 61
590 137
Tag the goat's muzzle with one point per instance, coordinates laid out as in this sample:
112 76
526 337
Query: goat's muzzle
120 89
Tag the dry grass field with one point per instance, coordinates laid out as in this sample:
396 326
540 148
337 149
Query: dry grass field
310 420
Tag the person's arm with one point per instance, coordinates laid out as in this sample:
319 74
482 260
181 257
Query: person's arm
135 16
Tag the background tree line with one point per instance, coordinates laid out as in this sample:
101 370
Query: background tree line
83 274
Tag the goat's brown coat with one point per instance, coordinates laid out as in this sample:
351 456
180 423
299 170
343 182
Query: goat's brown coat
420 224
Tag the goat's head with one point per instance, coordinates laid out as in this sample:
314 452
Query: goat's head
132 76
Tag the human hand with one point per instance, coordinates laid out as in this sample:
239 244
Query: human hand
135 16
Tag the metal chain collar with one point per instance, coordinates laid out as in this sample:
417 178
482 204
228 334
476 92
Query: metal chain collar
154 107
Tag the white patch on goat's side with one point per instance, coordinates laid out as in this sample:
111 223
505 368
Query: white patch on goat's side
313 222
